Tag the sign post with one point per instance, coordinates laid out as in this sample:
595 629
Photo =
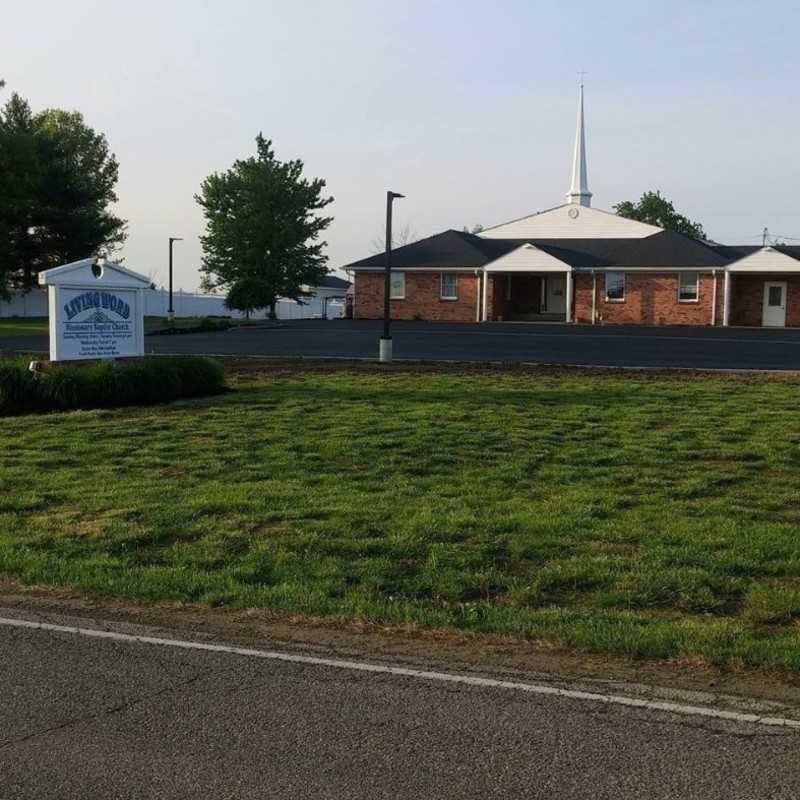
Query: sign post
95 311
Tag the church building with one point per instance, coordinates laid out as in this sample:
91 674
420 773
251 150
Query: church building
576 263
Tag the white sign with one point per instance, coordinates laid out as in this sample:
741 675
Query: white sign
95 311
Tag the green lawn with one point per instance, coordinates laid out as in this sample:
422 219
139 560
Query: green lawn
653 516
34 326
22 326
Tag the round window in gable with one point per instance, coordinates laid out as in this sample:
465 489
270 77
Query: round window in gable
97 269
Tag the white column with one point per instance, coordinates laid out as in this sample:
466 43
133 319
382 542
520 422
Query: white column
485 295
714 299
594 297
568 315
726 299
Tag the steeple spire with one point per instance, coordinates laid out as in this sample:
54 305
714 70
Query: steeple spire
579 187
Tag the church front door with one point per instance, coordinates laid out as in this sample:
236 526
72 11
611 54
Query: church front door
525 296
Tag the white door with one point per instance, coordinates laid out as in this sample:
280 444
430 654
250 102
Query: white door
774 305
556 297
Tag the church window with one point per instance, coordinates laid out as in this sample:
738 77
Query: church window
615 285
397 290
688 287
449 286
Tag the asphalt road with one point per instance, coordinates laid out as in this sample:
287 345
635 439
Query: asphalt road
93 718
618 346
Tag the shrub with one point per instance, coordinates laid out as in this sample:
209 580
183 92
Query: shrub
107 384
209 324
17 385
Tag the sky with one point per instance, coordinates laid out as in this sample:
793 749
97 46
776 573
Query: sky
467 108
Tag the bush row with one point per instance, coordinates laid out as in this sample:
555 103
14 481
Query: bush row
206 325
106 384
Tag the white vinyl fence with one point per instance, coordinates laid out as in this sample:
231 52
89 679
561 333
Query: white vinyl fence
324 303
25 304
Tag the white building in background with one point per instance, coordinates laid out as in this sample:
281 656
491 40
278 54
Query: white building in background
325 300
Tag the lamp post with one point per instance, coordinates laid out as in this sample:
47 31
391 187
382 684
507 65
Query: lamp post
171 310
385 351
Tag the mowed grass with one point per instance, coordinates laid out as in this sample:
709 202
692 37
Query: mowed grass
650 516
23 326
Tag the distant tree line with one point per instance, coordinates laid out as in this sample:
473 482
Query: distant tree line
57 181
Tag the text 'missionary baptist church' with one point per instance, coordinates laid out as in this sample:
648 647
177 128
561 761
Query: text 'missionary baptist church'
575 263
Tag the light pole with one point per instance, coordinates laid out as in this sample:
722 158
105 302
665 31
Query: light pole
171 310
385 351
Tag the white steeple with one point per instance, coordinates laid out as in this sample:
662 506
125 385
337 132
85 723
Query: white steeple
579 187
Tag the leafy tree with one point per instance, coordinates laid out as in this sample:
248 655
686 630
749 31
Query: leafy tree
262 229
57 181
655 209
207 284
78 177
19 173
248 294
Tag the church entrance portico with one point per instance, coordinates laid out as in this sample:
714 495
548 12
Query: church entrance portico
525 296
528 297
527 285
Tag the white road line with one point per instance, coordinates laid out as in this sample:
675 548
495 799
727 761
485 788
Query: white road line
443 677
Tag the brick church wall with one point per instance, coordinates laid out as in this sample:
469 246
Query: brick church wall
422 300
747 298
650 299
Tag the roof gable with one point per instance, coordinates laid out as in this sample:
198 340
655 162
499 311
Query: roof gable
82 273
528 258
767 259
571 221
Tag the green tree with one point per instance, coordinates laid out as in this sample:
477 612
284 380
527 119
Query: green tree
655 209
78 179
57 180
262 229
248 294
19 175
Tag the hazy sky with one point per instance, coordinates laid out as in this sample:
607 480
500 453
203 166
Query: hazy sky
466 107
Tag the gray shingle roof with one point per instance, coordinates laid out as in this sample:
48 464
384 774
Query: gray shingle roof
733 252
333 282
459 249
447 249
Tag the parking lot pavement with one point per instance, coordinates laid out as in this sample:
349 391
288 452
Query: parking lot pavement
616 346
